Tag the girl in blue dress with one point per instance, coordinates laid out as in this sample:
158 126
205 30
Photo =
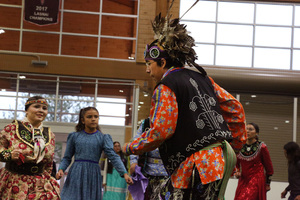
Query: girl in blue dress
84 181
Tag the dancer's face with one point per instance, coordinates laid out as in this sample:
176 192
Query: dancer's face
117 147
91 120
36 113
154 70
251 132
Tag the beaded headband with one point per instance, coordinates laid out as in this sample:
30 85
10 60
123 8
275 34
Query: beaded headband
36 101
154 51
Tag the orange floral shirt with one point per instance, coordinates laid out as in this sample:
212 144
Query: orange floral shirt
164 114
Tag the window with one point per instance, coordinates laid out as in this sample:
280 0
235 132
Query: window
66 96
245 34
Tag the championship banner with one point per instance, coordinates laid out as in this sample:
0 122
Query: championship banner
41 12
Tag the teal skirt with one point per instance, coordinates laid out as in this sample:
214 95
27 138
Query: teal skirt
116 187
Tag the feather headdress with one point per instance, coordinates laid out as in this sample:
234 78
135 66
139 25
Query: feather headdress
172 40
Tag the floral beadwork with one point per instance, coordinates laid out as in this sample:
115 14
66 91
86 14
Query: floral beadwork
21 186
22 146
5 155
26 135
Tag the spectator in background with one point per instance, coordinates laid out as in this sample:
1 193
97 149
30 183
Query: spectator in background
292 153
116 187
252 162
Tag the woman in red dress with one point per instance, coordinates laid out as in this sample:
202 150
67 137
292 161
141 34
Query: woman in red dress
254 168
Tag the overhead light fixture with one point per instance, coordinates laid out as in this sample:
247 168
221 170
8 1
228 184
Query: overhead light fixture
22 77
121 91
2 31
39 62
253 96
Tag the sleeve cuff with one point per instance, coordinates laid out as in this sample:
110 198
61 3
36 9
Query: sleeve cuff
128 151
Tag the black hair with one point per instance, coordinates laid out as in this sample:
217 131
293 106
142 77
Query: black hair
169 63
80 126
292 152
32 98
256 127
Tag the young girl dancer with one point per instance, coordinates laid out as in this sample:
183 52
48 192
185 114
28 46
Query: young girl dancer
84 181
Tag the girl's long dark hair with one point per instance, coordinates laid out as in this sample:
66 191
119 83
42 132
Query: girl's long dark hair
292 152
80 126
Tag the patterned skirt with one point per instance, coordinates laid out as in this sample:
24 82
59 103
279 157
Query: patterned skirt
196 190
116 187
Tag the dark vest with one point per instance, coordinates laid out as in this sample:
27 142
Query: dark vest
200 122
25 134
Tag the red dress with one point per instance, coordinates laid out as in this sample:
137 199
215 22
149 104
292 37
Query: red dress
255 163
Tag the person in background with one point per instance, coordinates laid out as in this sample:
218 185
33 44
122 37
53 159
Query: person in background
191 118
84 180
254 168
116 187
292 153
151 163
27 148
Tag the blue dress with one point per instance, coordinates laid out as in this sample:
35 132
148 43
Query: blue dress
84 181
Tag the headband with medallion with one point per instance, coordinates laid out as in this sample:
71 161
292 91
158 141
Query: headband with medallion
36 101
154 51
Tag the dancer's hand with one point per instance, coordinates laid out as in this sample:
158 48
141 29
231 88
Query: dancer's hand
132 168
128 179
297 197
104 186
59 174
268 188
237 174
283 194
15 154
